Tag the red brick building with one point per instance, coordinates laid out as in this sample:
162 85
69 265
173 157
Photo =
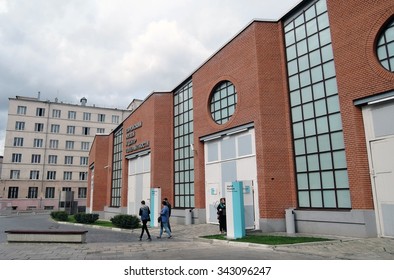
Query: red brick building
298 109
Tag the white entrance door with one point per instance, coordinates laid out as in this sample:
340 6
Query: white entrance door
383 174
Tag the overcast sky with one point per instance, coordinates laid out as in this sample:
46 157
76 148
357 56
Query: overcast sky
112 51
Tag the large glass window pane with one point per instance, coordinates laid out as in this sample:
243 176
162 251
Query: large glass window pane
324 143
325 37
296 113
313 42
318 90
301 47
331 86
317 74
299 146
313 162
328 180
311 26
322 125
305 79
344 199
306 94
310 128
314 58
333 104
302 181
291 52
320 107
322 21
301 163
308 111
339 159
337 140
316 199
325 161
314 180
310 13
329 69
290 39
295 98
335 122
300 32
303 199
298 130
327 53
294 83
292 67
311 145
329 199
303 62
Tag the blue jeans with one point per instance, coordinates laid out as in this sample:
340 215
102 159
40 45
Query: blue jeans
165 226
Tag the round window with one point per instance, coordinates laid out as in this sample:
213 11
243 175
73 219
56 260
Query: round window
223 102
385 47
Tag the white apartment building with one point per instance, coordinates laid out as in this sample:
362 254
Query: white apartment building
46 150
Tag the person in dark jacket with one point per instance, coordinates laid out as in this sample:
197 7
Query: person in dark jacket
222 215
169 212
145 218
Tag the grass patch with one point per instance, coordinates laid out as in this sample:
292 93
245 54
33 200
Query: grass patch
270 239
102 223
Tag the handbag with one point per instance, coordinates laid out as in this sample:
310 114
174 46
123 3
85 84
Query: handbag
159 219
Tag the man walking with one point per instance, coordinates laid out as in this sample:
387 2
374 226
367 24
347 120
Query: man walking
145 218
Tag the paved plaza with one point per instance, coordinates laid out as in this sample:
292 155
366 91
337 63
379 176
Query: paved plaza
187 244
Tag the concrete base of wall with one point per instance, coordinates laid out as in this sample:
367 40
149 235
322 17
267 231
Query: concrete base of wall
178 216
110 212
354 223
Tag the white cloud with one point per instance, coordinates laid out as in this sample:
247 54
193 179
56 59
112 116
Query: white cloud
112 51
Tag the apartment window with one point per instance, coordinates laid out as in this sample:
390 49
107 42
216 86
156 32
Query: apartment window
319 150
15 174
37 143
70 129
34 175
51 175
72 115
33 192
38 127
18 142
66 189
52 159
85 146
83 176
53 144
83 161
40 112
49 192
55 128
35 158
21 110
85 130
87 116
385 47
82 192
183 155
67 175
13 192
100 130
115 119
101 118
56 113
16 158
19 125
68 160
223 102
69 145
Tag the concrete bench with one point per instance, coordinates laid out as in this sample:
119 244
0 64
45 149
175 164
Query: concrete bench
47 236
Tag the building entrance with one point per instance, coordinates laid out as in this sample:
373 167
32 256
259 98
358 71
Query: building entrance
230 158
382 152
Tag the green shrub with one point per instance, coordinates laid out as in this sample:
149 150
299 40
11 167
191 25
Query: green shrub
126 221
85 218
59 215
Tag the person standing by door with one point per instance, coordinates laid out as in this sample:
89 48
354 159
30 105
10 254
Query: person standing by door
221 211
